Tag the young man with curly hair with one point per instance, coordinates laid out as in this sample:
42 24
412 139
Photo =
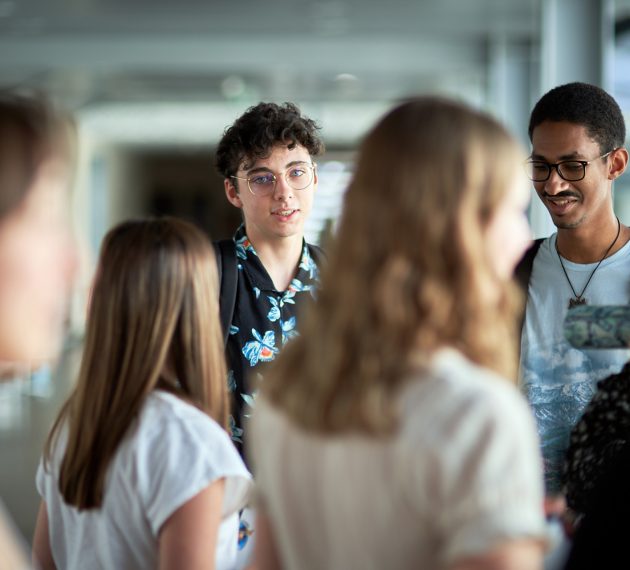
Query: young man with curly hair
578 135
266 160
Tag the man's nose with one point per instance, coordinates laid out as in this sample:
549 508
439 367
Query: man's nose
555 183
282 190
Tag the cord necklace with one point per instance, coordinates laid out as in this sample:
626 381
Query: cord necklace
579 299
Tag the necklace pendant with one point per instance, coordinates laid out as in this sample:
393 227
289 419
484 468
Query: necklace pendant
576 302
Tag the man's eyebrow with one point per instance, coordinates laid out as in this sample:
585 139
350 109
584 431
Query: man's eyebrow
267 169
258 169
570 156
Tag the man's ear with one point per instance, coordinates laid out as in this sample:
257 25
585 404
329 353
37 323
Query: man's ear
618 164
232 193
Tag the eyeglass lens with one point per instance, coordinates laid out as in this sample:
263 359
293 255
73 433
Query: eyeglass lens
297 177
570 170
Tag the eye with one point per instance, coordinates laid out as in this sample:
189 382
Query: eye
297 171
538 166
262 179
572 166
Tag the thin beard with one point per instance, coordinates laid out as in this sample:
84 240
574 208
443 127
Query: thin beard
566 226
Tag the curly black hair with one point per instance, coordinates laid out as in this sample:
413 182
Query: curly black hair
583 104
254 134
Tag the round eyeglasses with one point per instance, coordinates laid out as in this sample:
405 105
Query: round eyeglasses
569 170
263 182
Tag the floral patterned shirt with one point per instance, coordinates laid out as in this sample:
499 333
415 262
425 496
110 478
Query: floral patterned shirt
264 320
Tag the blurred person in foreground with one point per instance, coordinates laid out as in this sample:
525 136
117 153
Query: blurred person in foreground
390 433
37 255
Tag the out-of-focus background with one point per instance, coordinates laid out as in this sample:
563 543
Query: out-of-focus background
153 84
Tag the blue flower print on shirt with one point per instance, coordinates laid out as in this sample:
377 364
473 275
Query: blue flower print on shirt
288 330
274 313
231 381
296 286
276 306
234 329
262 349
243 245
244 532
236 433
250 401
308 264
288 298
257 292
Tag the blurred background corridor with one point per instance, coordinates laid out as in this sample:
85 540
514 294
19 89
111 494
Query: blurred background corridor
152 85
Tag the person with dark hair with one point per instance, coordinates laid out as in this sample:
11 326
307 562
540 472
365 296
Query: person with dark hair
577 133
266 160
600 540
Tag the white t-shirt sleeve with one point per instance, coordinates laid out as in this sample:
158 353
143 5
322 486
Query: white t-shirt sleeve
486 482
182 458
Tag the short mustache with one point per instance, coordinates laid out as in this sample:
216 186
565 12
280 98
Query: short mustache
560 195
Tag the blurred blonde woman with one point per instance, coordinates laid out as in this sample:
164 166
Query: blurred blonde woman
138 471
37 255
390 433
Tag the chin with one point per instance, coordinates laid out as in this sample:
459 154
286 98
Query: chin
562 224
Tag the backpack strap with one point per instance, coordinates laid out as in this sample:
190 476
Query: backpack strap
522 273
317 253
227 265
523 270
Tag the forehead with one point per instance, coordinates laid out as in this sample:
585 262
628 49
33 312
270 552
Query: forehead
279 157
555 140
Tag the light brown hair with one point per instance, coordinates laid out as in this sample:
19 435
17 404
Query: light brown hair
408 272
153 322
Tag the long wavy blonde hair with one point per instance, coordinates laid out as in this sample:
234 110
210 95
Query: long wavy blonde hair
408 271
153 322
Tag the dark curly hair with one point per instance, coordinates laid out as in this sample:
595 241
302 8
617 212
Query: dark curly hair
586 105
254 134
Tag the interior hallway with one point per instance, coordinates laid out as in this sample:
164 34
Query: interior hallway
28 406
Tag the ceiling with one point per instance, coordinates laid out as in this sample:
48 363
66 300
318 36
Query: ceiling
310 50
105 55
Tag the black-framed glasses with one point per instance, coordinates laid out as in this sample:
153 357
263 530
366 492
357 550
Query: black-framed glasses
263 182
569 170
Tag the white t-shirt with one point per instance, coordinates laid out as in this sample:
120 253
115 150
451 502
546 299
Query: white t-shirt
172 453
557 379
461 475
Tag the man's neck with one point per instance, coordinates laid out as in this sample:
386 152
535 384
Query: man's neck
587 244
280 258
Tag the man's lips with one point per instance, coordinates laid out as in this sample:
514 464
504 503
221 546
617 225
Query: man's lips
285 212
560 203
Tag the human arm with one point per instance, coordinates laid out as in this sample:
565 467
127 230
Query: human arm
266 556
188 538
511 555
42 553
